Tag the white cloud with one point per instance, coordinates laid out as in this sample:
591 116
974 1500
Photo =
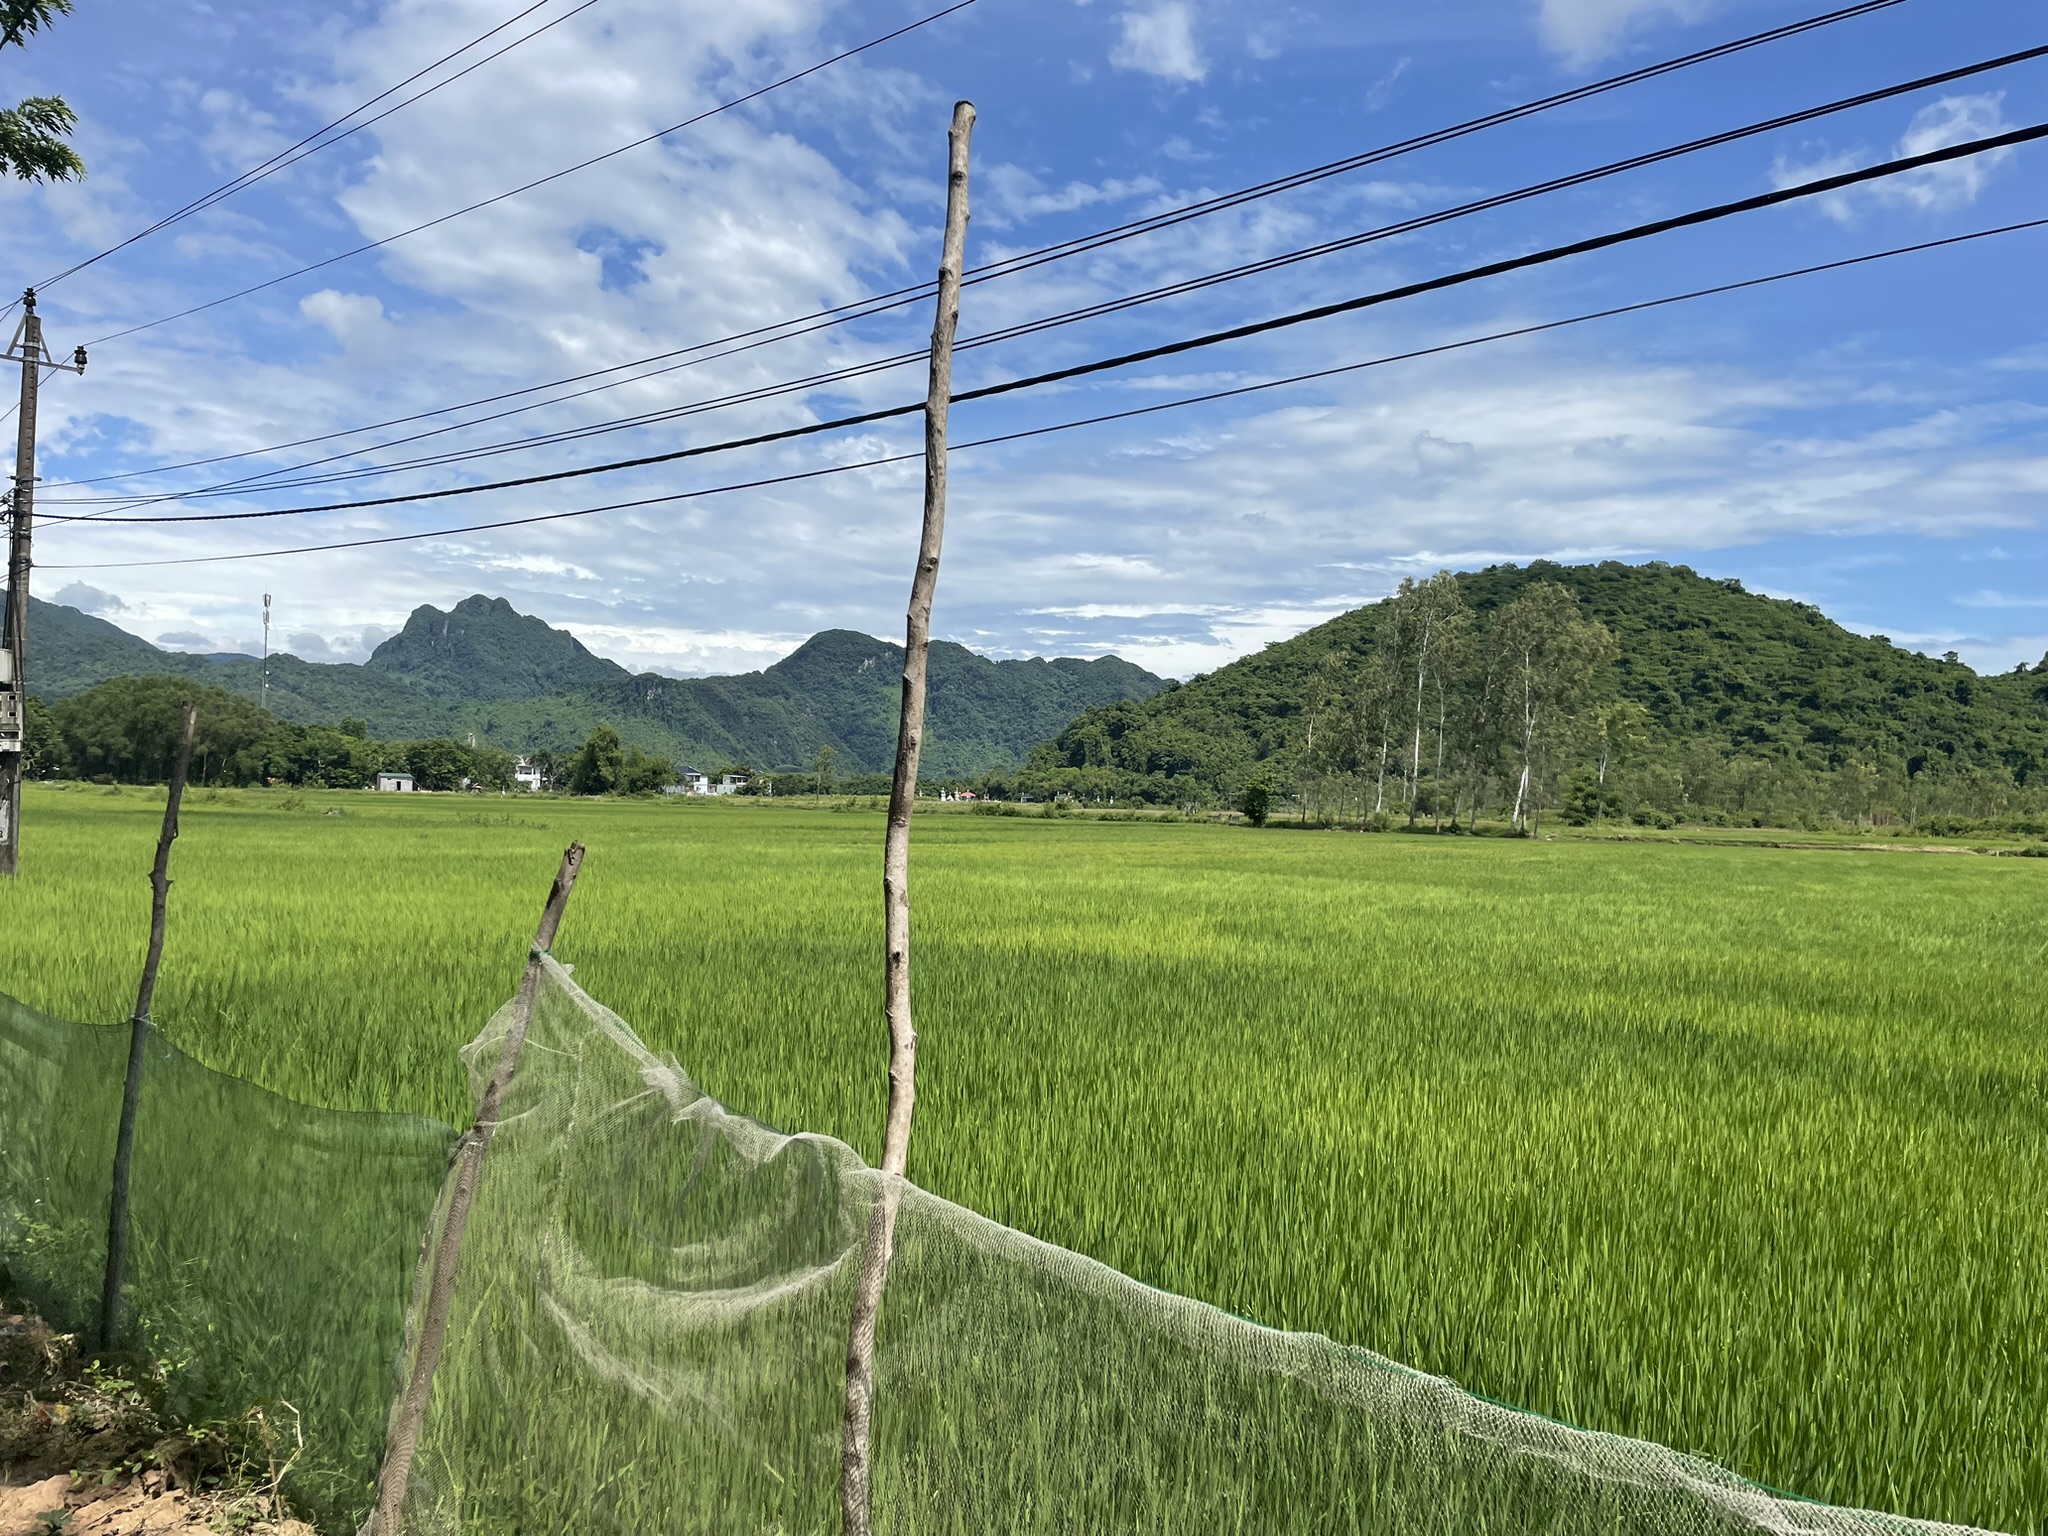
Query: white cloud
1179 540
238 135
355 320
1931 189
1584 32
90 600
1991 599
1381 91
1012 194
308 645
1160 40
682 652
538 565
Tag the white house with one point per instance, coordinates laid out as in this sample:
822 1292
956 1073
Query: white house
526 773
399 782
688 782
729 784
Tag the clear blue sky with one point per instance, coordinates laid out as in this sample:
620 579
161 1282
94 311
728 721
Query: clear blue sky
1872 441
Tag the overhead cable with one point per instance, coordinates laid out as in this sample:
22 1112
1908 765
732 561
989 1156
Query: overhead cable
316 141
881 302
1700 216
541 181
269 480
1235 392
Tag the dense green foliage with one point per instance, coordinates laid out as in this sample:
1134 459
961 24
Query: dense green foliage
33 132
126 731
607 766
1738 1149
1752 708
515 682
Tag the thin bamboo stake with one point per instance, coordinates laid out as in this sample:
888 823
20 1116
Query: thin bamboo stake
464 1175
856 1474
138 1042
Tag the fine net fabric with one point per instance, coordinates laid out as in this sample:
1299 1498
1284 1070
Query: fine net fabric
649 1330
271 1245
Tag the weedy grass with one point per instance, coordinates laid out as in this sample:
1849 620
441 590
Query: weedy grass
1741 1150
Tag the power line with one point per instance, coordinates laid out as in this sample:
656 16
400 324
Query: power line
1210 397
1437 284
879 303
581 165
1024 329
314 142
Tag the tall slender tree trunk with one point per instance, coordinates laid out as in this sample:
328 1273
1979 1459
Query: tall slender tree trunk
1308 755
1522 795
1438 783
1379 797
1415 759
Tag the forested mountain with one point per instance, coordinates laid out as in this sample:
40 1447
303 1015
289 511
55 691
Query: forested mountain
514 681
1743 705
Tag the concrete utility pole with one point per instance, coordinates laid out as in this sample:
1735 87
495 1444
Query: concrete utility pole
27 349
266 650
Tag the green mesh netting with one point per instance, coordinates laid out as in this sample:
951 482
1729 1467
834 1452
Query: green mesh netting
272 1246
649 1332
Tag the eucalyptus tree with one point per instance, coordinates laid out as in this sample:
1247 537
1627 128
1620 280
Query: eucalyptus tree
1429 616
1450 665
1620 730
1325 720
1551 653
1375 694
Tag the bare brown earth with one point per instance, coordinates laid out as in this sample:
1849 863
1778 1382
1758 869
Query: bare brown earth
137 1506
85 1450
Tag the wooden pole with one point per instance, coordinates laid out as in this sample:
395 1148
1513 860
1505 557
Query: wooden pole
464 1175
855 1471
138 1043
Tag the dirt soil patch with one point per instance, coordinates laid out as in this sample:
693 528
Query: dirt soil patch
136 1506
87 1450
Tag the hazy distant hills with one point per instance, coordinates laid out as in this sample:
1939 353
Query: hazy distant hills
518 682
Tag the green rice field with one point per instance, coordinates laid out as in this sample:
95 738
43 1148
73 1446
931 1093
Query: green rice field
1742 1150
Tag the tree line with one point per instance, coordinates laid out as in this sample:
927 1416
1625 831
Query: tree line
1446 716
1503 696
1449 716
125 731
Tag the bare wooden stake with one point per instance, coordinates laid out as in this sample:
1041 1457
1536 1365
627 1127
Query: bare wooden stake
855 1472
464 1175
138 1042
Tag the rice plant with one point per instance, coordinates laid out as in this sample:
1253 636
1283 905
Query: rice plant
1740 1150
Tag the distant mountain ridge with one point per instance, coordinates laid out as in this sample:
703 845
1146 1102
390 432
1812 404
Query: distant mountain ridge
515 681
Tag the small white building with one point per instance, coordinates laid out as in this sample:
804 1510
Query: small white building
730 784
399 783
688 782
526 774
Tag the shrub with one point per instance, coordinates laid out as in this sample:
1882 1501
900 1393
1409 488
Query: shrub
1256 801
